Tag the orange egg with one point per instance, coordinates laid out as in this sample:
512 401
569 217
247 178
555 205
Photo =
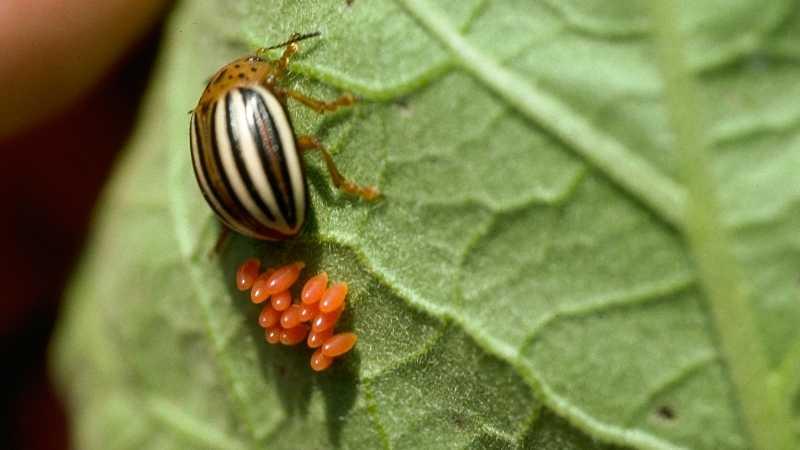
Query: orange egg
247 273
320 362
314 288
339 344
258 292
316 340
325 321
291 317
294 336
284 277
269 316
273 335
308 312
281 301
333 298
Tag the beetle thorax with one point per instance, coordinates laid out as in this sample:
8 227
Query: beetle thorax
242 72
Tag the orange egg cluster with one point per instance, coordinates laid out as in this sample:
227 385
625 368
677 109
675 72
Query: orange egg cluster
291 322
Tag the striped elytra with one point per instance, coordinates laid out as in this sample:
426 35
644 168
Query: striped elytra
245 157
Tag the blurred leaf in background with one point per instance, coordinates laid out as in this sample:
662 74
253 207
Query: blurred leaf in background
529 278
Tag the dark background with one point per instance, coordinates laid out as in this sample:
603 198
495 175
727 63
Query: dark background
50 178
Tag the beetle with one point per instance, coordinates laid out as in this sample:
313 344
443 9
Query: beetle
245 153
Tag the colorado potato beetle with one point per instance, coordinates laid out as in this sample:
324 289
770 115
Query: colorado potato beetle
246 160
245 153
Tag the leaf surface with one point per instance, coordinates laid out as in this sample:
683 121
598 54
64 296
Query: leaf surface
528 279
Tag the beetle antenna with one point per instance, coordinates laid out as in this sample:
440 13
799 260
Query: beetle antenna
296 37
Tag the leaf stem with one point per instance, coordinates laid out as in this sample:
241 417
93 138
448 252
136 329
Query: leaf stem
765 412
627 169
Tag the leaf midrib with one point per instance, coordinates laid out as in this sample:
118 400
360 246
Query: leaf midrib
764 408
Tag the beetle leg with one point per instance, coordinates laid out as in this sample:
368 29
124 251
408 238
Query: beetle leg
305 143
283 62
222 239
320 106
291 47
280 65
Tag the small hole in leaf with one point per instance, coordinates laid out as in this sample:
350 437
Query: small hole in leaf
665 412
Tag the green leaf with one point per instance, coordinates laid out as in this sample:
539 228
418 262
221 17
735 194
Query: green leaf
588 236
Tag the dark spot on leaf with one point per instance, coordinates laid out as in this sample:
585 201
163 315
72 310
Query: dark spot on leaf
405 109
666 413
458 420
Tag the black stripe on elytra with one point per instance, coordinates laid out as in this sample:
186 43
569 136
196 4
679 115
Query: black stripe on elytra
236 147
271 147
201 158
239 212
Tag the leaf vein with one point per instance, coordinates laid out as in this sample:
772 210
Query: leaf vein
670 382
198 430
510 354
635 296
627 169
374 415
